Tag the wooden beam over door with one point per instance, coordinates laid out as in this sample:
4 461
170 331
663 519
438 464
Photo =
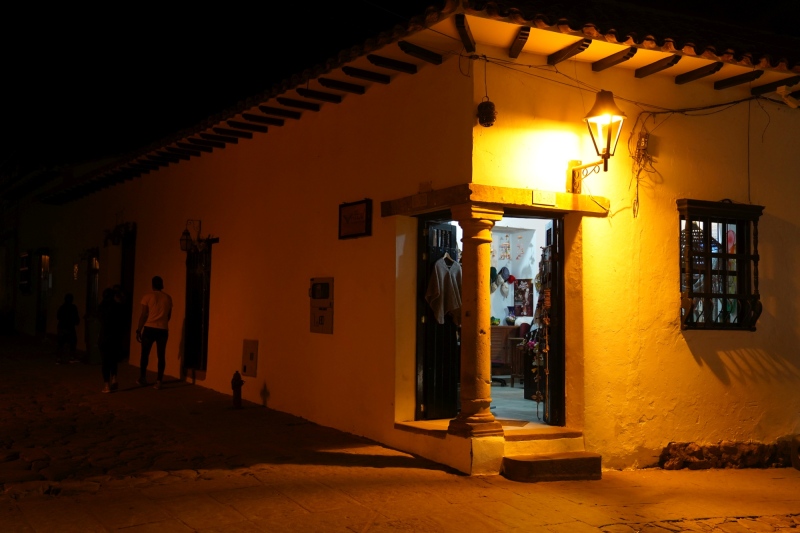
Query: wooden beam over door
505 197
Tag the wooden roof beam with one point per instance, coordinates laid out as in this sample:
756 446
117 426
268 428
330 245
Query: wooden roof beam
698 73
165 160
392 64
519 42
263 120
170 154
247 126
733 81
193 152
772 87
420 53
233 133
614 59
278 112
465 33
368 75
657 66
569 51
319 95
288 102
219 138
209 143
342 86
154 161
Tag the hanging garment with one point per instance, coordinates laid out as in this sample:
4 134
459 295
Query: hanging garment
444 291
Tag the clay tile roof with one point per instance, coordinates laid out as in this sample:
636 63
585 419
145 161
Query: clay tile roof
692 28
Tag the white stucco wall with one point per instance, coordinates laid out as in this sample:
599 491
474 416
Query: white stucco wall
273 202
635 381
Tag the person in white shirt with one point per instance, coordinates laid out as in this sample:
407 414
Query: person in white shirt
154 328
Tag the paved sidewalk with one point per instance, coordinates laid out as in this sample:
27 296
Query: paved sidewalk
181 459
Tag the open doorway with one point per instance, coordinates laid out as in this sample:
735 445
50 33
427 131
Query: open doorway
527 308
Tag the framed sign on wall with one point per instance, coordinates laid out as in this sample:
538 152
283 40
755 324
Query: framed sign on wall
355 219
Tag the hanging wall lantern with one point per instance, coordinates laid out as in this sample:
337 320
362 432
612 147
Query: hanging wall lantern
604 121
186 241
486 113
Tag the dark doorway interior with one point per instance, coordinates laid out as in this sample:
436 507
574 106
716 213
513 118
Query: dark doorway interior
198 289
438 346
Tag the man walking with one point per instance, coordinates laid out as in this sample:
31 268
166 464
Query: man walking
153 328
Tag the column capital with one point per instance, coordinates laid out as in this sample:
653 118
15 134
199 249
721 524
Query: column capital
468 212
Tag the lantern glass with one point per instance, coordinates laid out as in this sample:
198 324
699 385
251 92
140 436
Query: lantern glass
605 121
186 241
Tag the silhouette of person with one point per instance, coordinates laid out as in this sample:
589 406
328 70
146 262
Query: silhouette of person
68 320
154 328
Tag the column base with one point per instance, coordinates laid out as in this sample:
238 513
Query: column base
475 426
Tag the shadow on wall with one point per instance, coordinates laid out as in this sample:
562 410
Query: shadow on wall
769 354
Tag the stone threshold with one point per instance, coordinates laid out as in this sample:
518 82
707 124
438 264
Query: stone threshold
513 430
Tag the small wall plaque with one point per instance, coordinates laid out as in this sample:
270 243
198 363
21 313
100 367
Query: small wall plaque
355 219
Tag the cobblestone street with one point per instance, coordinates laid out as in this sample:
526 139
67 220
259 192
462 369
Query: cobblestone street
182 459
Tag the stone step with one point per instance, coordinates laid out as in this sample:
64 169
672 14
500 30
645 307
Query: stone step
561 466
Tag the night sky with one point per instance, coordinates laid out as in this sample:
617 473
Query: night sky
81 83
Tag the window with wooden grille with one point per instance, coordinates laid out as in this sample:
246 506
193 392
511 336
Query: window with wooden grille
719 265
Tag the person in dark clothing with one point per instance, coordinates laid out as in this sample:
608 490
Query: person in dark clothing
110 340
68 320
